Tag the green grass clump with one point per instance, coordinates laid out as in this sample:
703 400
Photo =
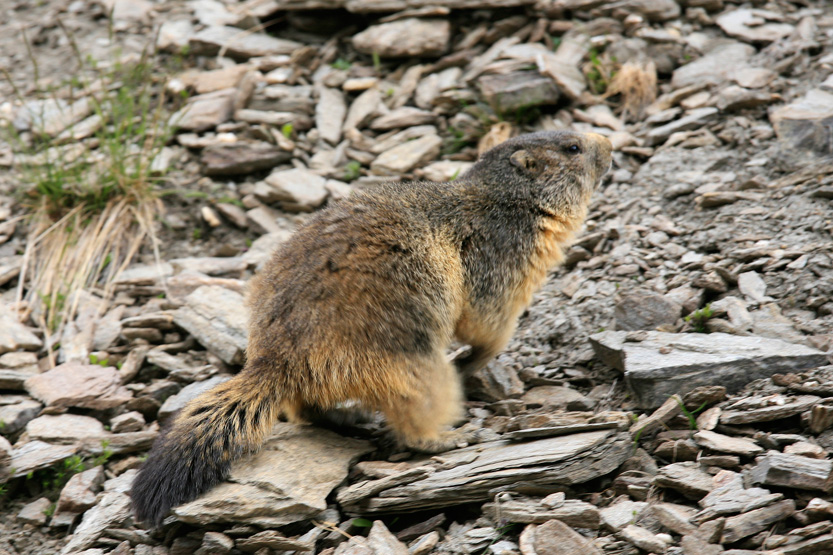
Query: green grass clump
352 171
698 318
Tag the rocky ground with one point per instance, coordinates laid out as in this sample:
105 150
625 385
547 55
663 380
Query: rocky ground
668 391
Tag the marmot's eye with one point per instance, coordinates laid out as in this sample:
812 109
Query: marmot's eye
573 149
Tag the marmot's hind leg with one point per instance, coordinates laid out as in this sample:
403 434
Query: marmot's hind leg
421 416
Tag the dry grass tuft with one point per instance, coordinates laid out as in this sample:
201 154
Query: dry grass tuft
93 202
636 82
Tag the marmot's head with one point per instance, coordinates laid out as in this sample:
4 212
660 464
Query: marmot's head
558 169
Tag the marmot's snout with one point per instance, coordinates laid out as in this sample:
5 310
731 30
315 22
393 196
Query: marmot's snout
601 148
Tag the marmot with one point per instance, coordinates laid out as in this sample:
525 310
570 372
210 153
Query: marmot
363 301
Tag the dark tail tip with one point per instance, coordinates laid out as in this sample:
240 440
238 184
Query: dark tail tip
175 472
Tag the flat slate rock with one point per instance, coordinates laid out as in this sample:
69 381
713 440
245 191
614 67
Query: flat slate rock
555 538
554 431
658 365
35 512
35 455
112 510
205 111
368 6
64 428
782 407
405 157
74 384
749 523
189 392
687 478
526 511
288 480
78 495
217 318
749 25
241 158
470 474
727 444
239 43
17 415
405 38
792 471
14 336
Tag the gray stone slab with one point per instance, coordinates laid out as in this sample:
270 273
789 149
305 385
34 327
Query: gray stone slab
74 384
658 365
288 480
216 317
472 474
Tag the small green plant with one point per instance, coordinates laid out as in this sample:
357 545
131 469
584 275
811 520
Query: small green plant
50 510
455 175
599 71
352 170
522 115
101 362
502 532
196 234
287 130
456 142
556 42
105 455
230 200
341 64
55 479
699 317
377 62
362 523
691 414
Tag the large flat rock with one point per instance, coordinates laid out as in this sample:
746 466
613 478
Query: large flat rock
35 455
658 365
470 474
288 480
74 384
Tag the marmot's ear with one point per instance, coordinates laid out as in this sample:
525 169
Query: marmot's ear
523 160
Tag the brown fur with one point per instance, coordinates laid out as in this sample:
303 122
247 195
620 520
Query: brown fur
362 303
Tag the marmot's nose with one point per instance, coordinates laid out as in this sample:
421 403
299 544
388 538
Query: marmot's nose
601 148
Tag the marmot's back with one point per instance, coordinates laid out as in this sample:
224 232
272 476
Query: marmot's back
377 275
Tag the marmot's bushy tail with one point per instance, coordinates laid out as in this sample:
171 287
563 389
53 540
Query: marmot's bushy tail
196 452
